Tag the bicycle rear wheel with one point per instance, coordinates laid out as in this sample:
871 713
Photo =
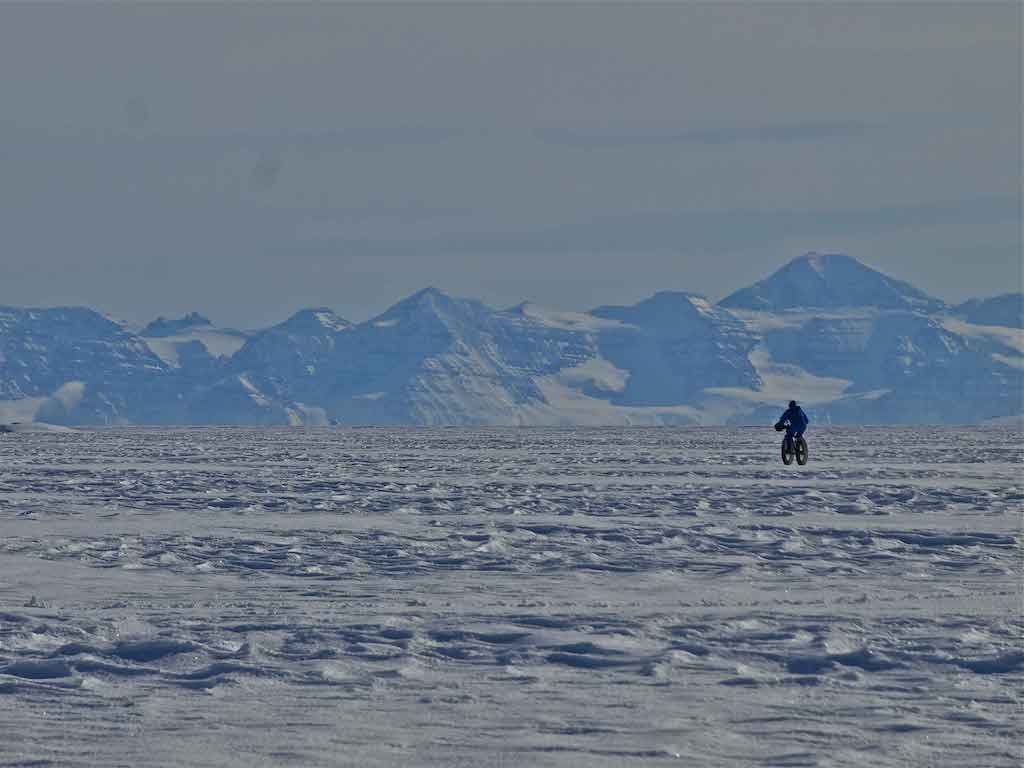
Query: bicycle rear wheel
801 450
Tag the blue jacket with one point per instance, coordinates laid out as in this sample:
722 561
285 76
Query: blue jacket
796 417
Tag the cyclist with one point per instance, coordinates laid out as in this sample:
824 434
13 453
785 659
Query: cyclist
794 420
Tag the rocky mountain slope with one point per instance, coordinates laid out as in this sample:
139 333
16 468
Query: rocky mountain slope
1006 310
73 365
852 344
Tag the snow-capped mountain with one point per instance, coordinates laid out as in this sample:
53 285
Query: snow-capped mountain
672 345
829 281
73 365
297 349
860 347
902 367
850 343
430 359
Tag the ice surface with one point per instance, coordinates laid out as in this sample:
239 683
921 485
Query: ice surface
542 597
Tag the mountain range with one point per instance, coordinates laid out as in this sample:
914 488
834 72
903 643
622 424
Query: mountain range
850 343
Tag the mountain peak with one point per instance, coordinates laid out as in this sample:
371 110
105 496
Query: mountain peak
1006 310
829 281
425 297
666 309
315 321
433 302
820 261
430 292
164 327
429 297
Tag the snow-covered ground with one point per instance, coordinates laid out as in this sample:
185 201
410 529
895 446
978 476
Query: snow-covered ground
538 597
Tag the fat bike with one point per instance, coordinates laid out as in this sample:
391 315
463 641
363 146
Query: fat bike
794 448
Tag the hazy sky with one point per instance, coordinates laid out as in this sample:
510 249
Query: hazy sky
247 161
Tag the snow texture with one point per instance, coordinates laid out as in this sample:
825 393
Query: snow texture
486 597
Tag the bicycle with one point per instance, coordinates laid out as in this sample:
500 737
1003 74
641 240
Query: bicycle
793 447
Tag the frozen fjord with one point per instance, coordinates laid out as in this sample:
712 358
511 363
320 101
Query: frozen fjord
510 597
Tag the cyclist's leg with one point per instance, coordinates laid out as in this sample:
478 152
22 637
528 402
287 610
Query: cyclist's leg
789 442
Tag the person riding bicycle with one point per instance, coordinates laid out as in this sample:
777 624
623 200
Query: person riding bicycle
793 420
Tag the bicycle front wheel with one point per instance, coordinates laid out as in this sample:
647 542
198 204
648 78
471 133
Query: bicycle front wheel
787 451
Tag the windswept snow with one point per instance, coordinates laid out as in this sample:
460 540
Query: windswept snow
597 373
20 410
555 597
24 412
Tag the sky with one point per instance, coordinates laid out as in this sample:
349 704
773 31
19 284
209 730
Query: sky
247 161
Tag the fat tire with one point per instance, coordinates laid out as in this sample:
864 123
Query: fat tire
787 451
800 449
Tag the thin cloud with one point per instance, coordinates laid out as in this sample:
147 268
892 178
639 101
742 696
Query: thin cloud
711 231
721 136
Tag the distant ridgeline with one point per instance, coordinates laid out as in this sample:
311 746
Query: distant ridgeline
853 345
